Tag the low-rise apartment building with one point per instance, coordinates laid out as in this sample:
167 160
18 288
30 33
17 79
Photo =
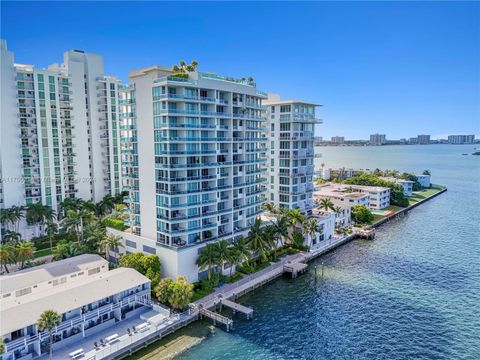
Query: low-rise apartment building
407 185
341 195
326 224
81 289
373 197
424 180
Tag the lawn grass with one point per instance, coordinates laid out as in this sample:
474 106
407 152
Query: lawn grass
41 253
425 193
377 218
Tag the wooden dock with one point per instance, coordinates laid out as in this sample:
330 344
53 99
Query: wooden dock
237 307
217 318
295 268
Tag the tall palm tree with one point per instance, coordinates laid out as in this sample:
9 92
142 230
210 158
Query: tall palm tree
65 250
16 214
5 218
51 229
7 255
110 242
69 204
223 252
108 203
11 237
298 240
295 218
48 320
240 246
11 217
270 207
311 229
326 204
256 240
38 213
207 259
24 252
94 232
282 229
75 221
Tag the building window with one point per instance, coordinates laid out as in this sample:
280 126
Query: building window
131 244
149 249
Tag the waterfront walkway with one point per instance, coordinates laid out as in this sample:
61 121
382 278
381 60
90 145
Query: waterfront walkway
253 281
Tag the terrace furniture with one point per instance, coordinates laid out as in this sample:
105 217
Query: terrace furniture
96 346
112 338
142 327
76 354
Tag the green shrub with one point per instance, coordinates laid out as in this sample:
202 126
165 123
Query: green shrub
114 223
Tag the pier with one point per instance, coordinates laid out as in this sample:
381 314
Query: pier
295 268
217 318
248 312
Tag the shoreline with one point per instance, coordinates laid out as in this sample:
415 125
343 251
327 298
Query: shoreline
191 335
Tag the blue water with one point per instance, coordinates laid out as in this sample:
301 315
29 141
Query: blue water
412 293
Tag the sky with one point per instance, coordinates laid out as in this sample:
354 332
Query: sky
399 68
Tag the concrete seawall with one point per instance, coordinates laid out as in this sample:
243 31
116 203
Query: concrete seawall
405 210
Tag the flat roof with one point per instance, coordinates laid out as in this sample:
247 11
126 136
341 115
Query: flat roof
17 313
46 272
289 101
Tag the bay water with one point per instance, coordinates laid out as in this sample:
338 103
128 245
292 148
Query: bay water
412 293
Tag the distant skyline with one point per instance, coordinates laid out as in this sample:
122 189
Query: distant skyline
400 68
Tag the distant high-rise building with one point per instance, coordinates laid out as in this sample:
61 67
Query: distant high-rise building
461 139
60 131
423 139
413 140
291 153
378 139
338 139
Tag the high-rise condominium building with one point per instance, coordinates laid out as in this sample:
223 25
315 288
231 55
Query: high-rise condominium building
461 139
423 139
194 162
60 131
338 139
291 152
378 139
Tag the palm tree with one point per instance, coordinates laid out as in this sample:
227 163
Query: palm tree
48 320
108 203
223 252
11 236
298 241
16 214
24 251
311 229
295 218
120 196
110 242
7 255
51 230
38 213
256 240
282 229
69 204
75 220
207 259
10 217
94 232
239 252
326 204
270 207
65 250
